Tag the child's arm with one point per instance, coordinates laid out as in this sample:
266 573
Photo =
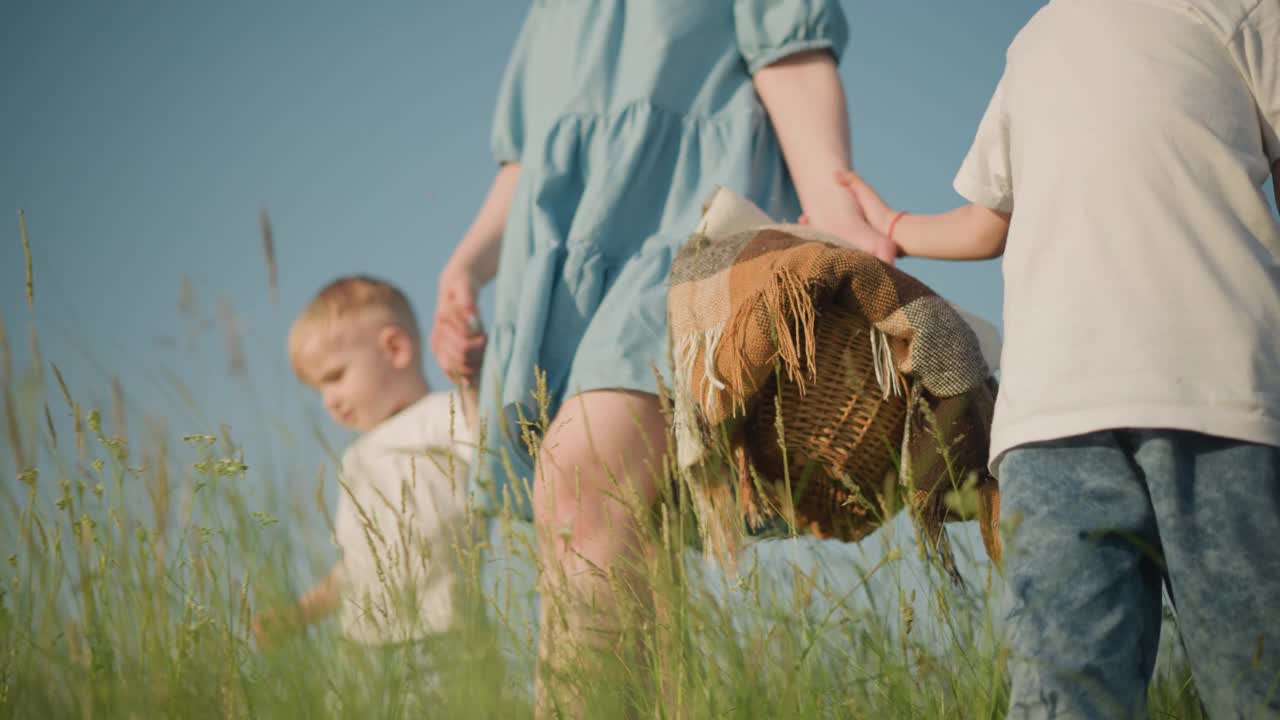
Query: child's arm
806 104
456 341
316 604
970 232
323 599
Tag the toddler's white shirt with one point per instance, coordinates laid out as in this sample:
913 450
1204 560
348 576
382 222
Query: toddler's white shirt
401 518
1131 140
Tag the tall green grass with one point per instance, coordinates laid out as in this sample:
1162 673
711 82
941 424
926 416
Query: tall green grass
134 562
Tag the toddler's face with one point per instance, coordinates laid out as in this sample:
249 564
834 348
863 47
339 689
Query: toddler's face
357 368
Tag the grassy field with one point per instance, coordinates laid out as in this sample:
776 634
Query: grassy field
134 562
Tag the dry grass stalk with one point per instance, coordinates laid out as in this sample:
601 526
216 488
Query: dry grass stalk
117 408
231 332
10 403
26 252
269 252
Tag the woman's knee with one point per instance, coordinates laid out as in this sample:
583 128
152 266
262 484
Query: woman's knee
603 451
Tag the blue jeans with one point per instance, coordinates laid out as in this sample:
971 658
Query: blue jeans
1096 524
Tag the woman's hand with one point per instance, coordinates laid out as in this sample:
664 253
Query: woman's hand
878 213
845 217
457 338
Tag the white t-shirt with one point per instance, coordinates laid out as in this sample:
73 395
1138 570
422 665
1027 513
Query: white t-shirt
401 518
1131 139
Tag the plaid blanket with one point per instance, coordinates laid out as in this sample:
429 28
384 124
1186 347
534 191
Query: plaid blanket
743 297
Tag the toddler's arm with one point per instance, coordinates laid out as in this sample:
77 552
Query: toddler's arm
806 104
316 604
323 599
970 232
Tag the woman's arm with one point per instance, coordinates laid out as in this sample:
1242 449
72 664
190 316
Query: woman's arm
457 340
806 104
478 251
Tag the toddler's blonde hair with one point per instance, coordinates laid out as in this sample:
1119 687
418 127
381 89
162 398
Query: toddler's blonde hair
348 297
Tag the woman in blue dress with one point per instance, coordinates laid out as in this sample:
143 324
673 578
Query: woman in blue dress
615 121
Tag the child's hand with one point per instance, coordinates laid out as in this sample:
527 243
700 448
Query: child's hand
879 214
261 635
270 626
456 338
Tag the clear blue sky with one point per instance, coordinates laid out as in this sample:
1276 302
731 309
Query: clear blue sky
141 138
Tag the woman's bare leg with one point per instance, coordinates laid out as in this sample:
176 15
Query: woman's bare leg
597 481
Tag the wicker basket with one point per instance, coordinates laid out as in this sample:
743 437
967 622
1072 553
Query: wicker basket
842 435
843 439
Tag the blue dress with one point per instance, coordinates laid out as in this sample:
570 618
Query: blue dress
624 115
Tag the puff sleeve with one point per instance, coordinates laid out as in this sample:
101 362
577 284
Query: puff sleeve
771 30
507 138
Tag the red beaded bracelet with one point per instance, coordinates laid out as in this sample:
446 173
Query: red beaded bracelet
893 223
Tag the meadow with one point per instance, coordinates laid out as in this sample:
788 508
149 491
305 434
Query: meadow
136 555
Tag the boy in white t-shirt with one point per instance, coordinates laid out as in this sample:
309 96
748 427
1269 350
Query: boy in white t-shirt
1119 170
402 522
